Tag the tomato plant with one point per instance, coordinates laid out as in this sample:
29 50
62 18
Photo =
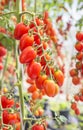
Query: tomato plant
35 64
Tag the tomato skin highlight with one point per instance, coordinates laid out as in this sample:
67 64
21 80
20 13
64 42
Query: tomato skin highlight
27 55
26 41
20 29
34 69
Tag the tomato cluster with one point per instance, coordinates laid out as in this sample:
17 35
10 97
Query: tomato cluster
50 31
9 117
77 72
43 77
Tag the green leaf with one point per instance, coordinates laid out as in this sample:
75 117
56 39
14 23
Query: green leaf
6 41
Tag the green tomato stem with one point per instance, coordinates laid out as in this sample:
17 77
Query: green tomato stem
19 67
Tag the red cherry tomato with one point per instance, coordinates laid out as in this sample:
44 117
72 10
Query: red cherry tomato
40 80
38 127
73 72
37 39
27 55
3 51
5 117
20 29
79 56
6 103
75 80
79 46
34 69
26 41
79 36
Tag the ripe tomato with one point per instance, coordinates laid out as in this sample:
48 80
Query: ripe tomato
35 95
3 2
37 39
5 117
27 55
34 69
40 80
75 80
20 29
81 98
6 102
73 105
76 97
32 88
43 62
38 127
79 65
73 72
26 41
51 88
12 117
17 126
79 36
39 21
59 77
44 58
77 111
30 81
39 51
10 102
79 56
3 51
79 46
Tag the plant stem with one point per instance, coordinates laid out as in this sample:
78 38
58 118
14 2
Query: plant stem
35 5
19 67
27 12
12 12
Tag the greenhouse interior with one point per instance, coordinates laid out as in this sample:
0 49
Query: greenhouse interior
41 64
